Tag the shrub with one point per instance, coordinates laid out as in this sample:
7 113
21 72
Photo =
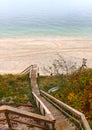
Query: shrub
74 91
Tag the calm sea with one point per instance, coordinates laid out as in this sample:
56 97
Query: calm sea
65 26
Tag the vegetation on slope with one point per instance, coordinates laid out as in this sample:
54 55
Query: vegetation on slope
75 89
14 88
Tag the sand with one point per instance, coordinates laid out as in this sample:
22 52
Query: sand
18 53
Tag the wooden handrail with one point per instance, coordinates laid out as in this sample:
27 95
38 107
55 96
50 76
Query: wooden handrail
27 70
23 113
41 105
77 114
36 94
7 109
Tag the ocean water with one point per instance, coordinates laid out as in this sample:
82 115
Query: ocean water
63 26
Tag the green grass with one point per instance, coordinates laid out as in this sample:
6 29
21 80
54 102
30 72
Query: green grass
17 89
14 88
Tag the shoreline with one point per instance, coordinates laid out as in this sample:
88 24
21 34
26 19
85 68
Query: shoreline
48 37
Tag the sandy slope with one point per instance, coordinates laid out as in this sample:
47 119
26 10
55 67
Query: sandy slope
18 53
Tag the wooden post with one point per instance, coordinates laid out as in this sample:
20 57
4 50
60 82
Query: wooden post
39 105
8 120
53 125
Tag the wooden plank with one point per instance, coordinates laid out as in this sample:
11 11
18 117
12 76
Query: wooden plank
15 104
2 120
3 109
31 124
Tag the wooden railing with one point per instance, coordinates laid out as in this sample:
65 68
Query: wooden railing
44 111
74 115
8 111
27 70
36 95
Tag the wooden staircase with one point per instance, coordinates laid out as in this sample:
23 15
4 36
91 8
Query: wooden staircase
55 115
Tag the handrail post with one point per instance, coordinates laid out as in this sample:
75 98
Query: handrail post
53 125
8 120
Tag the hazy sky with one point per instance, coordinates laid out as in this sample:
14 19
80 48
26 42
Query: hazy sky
47 7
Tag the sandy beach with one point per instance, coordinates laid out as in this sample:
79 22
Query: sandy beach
18 53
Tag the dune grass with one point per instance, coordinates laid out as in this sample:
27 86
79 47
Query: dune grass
14 88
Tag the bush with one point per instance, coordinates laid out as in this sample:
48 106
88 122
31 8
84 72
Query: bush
75 91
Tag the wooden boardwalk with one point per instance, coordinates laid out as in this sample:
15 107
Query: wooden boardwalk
61 122
52 110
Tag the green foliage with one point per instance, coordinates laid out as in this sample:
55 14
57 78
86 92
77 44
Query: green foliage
76 90
15 88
